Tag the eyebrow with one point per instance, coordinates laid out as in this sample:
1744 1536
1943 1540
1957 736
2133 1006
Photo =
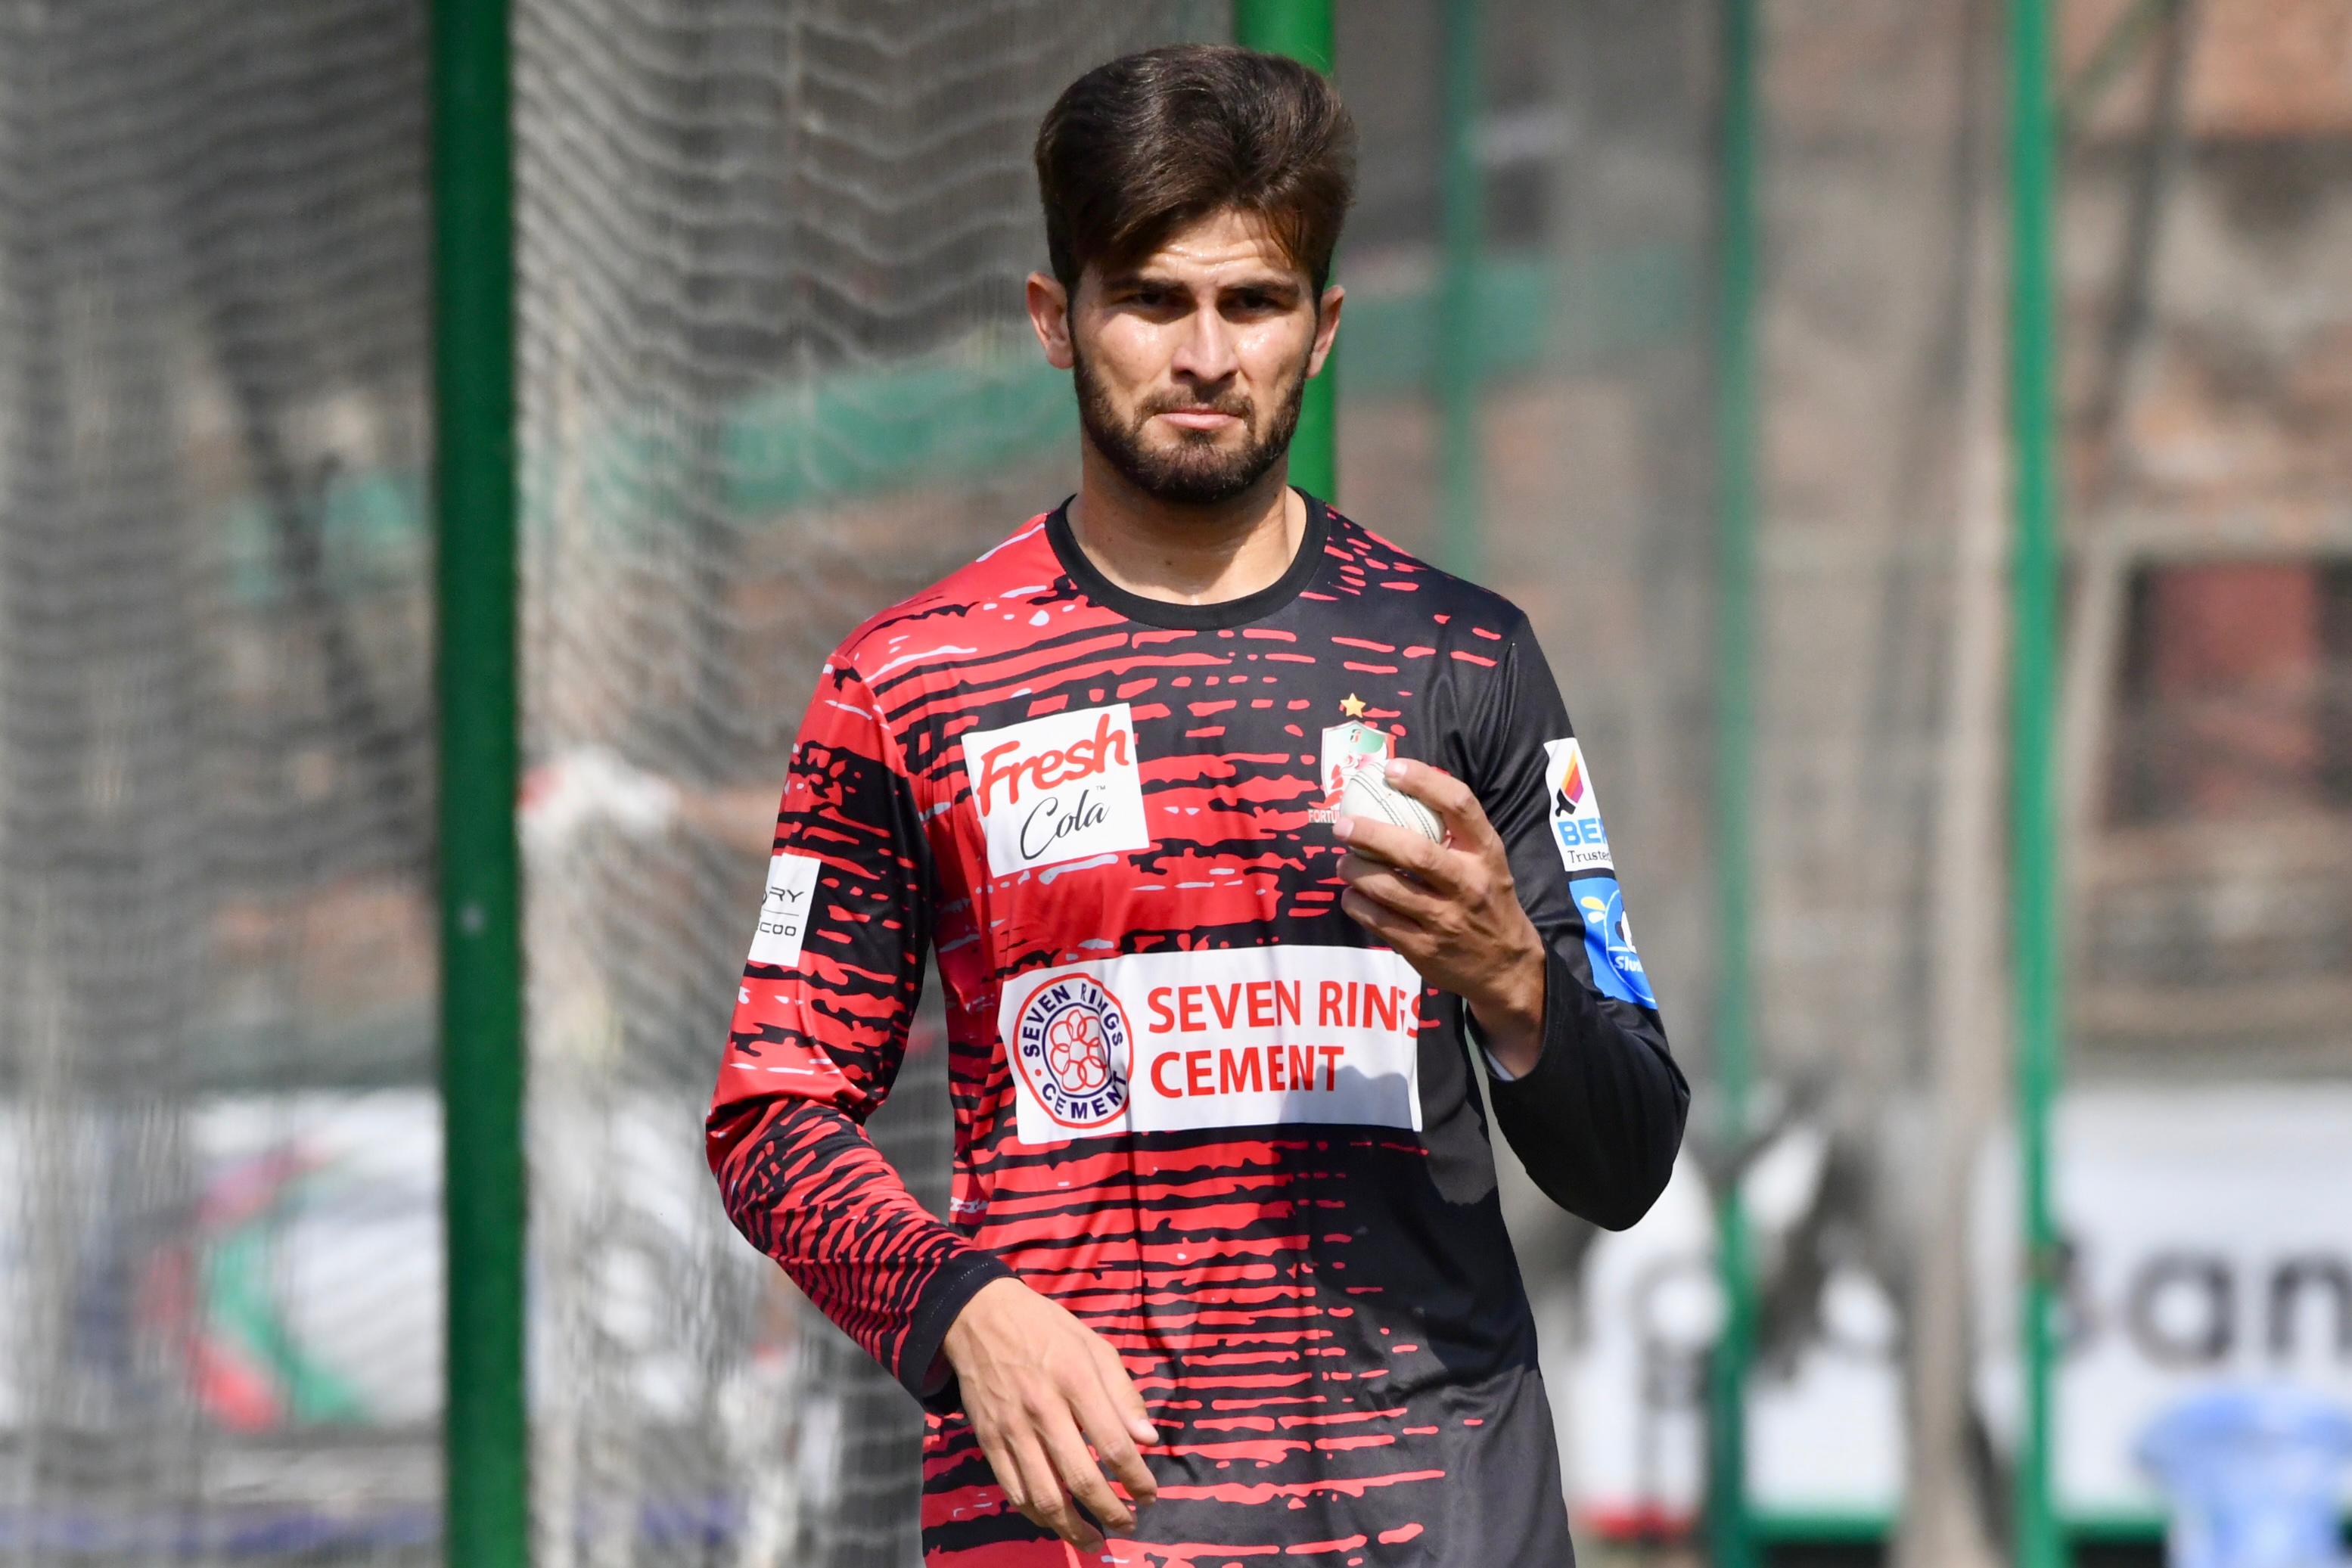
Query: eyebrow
1141 278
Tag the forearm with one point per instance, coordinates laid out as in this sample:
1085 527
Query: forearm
1597 1116
813 1193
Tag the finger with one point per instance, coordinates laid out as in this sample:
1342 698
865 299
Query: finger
1082 1478
1388 886
1125 1398
1099 1414
1007 1471
1049 1505
1447 796
1127 1404
1399 932
1398 846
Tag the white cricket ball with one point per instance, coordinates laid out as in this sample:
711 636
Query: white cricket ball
1367 794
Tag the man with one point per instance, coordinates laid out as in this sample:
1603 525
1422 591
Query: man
1224 1271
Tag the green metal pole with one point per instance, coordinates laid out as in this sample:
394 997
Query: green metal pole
1456 357
1730 1527
1303 30
2034 812
486 1435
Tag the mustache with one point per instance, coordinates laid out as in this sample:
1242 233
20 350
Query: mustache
1232 403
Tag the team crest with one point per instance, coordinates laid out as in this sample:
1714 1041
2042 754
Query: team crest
1073 1046
1346 747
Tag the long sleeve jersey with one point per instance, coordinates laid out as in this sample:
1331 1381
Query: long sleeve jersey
1194 1102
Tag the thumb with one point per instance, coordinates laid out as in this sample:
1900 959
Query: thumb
1123 1398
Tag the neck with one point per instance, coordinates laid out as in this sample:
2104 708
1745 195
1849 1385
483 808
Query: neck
1186 555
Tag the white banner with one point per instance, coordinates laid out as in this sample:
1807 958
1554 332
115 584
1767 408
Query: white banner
1224 1037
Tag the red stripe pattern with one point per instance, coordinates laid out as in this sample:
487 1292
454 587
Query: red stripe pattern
1194 1103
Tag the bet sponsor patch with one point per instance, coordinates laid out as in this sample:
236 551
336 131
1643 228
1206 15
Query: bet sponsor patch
1235 1036
1057 788
1576 825
785 911
1608 941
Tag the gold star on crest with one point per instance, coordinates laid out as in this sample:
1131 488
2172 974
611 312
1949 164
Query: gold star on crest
1352 706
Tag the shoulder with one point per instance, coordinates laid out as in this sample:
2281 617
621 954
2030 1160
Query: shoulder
1394 588
979 609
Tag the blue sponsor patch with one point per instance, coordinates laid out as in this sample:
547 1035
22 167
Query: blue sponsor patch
1608 941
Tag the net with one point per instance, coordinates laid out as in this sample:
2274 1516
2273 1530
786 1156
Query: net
214 778
775 376
1872 806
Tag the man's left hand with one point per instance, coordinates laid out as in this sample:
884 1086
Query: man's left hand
1451 909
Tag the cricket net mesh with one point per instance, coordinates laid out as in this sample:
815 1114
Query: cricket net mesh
774 376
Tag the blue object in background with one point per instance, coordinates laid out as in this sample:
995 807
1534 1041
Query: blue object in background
2253 1476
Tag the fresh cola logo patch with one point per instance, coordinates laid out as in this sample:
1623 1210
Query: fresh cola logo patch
1057 789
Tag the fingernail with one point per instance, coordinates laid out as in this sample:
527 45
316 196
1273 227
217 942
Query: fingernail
1343 827
1396 769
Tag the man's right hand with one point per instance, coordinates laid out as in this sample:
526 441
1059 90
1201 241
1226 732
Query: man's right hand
1035 1379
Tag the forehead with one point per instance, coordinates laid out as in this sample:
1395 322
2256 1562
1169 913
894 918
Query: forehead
1228 244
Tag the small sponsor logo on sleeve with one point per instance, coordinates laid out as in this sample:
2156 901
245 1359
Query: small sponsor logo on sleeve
1231 1037
1608 941
1576 826
784 913
1057 789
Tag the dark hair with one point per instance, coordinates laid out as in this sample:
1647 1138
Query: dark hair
1139 147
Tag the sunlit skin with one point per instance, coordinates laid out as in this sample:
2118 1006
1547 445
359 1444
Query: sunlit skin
1217 319
1195 354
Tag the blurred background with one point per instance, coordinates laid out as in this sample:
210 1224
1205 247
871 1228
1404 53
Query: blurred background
1684 322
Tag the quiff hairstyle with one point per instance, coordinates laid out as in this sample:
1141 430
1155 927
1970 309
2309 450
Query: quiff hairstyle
1145 144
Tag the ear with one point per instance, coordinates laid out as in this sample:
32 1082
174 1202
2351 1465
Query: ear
1049 314
1327 328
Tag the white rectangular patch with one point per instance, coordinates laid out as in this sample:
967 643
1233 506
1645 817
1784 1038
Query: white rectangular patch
784 913
1057 789
1231 1037
1576 827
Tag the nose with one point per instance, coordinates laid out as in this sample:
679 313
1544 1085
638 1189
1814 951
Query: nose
1206 351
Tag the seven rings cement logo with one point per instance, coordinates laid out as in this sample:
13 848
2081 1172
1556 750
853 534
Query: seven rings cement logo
1073 1047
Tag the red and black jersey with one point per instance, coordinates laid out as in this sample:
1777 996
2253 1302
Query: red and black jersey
1195 1103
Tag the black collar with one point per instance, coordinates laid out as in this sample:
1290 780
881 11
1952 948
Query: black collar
1213 616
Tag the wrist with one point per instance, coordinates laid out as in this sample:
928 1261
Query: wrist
956 1344
1510 1017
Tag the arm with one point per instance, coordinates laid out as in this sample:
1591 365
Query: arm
819 1030
1520 916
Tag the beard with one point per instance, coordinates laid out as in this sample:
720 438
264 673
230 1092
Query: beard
1196 471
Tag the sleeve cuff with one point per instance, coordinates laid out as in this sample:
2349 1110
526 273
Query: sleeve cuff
922 1369
1558 978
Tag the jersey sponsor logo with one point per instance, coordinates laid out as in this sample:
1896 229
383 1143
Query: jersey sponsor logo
1232 1037
784 913
1576 825
1070 1046
1608 940
1057 789
1346 747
